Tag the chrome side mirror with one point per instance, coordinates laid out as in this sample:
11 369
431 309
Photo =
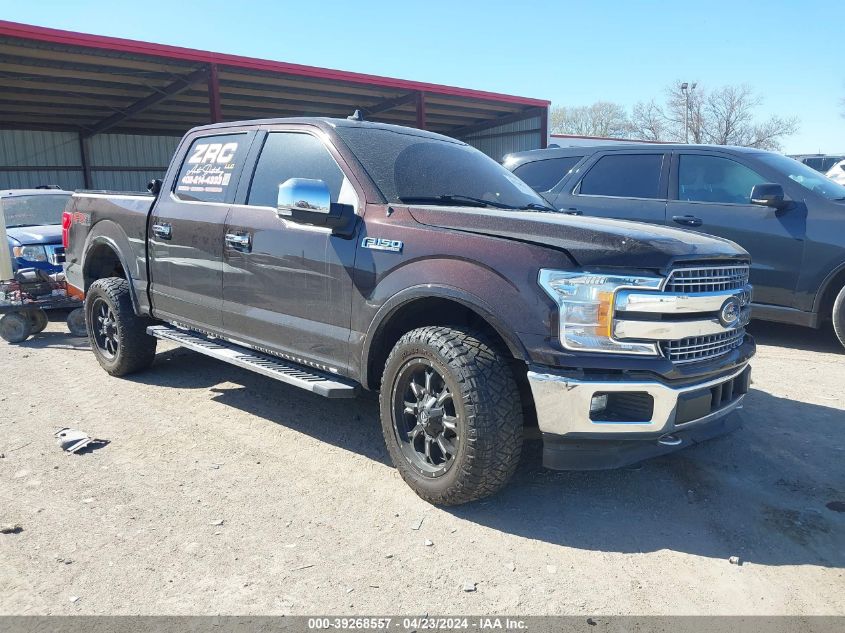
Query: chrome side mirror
303 195
308 201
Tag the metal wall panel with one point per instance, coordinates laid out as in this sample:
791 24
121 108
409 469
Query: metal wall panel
105 152
69 180
130 150
28 147
123 180
22 148
512 137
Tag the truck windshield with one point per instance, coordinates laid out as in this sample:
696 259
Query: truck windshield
805 176
37 210
419 169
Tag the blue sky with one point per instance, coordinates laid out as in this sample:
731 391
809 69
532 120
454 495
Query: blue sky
572 53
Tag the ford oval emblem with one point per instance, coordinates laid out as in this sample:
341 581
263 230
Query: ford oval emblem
730 312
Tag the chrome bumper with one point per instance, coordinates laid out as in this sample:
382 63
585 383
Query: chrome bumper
563 405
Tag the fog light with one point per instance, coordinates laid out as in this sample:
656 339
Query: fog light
598 403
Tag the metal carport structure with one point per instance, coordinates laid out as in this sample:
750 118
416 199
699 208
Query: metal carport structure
104 93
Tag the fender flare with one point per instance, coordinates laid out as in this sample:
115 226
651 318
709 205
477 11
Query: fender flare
439 291
95 240
825 285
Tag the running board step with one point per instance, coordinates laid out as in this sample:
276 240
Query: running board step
276 368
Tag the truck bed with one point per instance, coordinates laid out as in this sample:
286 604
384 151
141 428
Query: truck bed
103 217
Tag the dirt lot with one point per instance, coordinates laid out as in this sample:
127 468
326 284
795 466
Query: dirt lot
314 519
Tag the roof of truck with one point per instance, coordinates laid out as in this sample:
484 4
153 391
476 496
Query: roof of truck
329 123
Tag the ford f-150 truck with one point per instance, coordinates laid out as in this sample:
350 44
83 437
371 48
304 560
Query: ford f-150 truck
337 255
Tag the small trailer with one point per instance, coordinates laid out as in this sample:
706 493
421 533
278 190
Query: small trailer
24 302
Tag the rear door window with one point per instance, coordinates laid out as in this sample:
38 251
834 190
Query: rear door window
624 176
713 179
543 175
211 168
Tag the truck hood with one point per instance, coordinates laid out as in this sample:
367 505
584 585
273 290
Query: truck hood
49 234
590 241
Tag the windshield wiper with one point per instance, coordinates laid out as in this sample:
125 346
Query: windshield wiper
455 199
536 206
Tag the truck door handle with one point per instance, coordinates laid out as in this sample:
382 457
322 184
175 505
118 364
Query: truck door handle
572 211
687 220
239 242
164 231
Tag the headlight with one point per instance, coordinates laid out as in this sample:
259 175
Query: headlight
586 308
34 253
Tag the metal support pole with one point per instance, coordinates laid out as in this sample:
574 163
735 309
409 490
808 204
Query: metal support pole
421 110
544 128
215 111
83 159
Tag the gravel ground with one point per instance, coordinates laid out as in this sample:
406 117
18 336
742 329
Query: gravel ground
224 492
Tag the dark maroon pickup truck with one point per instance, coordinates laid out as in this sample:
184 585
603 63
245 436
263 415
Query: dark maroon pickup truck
336 255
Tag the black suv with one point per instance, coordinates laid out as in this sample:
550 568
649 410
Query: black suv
788 216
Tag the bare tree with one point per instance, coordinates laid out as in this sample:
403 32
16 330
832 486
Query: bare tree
602 118
729 120
722 116
648 122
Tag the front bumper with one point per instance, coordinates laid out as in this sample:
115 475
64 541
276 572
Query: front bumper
589 424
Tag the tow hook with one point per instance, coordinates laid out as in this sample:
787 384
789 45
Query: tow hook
669 440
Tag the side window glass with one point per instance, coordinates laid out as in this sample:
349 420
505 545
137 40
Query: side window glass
543 175
714 179
209 172
294 155
624 176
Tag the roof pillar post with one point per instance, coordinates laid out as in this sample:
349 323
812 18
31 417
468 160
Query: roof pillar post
214 108
83 160
421 110
544 128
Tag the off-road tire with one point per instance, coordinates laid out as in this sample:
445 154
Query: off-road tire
487 404
15 327
839 316
38 319
135 348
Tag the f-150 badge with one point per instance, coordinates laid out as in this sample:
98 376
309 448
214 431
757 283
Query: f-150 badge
381 244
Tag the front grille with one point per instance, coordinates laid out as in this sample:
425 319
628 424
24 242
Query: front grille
698 348
55 254
707 279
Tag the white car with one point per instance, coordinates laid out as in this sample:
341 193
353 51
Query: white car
837 172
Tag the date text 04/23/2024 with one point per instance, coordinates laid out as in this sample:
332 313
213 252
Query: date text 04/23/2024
418 623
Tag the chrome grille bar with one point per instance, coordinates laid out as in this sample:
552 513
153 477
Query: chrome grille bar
707 279
715 298
698 348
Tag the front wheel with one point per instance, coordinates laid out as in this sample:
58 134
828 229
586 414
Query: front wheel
451 414
118 336
839 316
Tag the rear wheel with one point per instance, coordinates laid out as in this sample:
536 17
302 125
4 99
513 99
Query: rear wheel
38 319
451 414
839 316
15 327
118 336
